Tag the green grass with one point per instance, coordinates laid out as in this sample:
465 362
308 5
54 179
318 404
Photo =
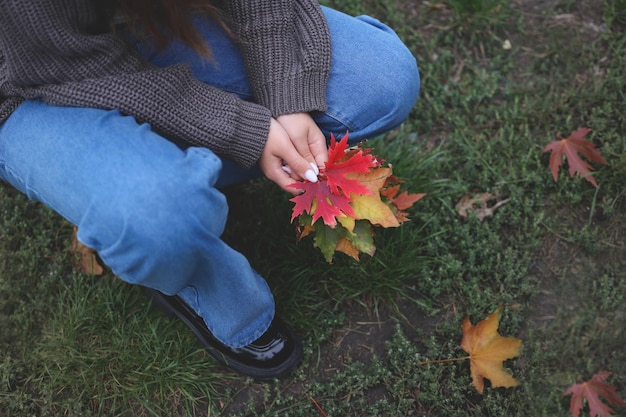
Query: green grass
75 345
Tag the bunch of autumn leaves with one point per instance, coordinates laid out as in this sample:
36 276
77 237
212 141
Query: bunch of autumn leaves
354 192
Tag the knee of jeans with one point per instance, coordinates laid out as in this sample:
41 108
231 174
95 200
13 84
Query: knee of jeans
160 239
155 225
391 96
179 199
399 90
178 212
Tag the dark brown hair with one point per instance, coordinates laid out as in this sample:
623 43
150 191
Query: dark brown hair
164 20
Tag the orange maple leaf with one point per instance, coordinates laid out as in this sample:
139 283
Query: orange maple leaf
571 147
488 350
401 202
591 391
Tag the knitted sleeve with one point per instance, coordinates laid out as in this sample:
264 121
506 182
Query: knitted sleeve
287 50
61 52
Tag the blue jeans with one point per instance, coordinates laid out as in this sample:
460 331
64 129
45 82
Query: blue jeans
152 209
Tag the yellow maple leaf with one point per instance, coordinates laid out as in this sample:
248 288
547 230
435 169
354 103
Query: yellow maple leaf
347 222
374 179
372 208
488 350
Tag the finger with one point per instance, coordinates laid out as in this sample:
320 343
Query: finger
317 145
300 166
287 169
301 143
280 151
282 179
300 127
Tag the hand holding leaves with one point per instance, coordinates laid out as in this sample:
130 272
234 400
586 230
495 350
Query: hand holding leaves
306 136
353 193
280 151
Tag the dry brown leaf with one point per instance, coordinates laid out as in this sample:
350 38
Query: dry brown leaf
479 204
83 257
344 245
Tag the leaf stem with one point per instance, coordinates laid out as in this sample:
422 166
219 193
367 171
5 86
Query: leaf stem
443 360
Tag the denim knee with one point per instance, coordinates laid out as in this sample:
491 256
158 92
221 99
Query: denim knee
391 94
154 229
374 80
396 91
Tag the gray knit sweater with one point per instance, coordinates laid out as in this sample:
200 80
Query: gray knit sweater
63 52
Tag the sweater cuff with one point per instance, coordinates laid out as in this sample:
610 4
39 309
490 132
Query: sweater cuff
251 129
298 94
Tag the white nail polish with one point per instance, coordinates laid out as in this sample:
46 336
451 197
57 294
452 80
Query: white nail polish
310 175
287 169
316 170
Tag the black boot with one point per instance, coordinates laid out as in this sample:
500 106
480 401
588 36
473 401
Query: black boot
273 355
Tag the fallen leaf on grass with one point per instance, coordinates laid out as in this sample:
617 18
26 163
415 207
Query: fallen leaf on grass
479 204
84 258
488 350
570 147
591 391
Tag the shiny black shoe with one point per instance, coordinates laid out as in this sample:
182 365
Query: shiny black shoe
273 355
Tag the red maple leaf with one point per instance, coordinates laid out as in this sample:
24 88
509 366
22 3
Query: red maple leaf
320 202
571 147
330 196
591 391
341 162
